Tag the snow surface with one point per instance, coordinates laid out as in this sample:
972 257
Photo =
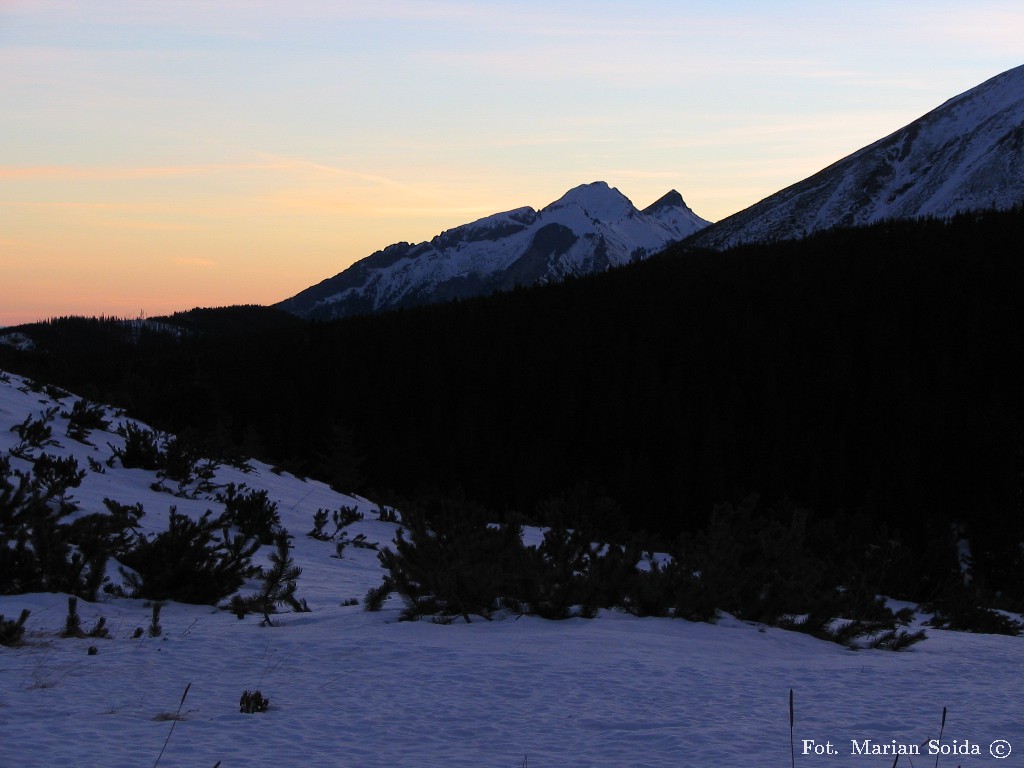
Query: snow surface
351 688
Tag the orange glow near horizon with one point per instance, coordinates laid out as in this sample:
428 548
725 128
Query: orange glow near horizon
159 157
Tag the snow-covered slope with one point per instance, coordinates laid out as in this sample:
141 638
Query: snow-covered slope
967 154
591 228
352 688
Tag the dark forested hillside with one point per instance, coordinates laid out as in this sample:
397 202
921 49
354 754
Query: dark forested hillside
877 370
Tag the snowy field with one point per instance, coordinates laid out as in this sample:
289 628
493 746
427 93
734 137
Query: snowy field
352 688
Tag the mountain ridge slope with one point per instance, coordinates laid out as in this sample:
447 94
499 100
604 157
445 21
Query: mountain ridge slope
966 154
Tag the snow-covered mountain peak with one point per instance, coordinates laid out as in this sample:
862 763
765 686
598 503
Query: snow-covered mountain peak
670 199
597 201
590 228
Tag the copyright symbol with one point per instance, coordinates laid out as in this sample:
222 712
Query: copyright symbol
1000 749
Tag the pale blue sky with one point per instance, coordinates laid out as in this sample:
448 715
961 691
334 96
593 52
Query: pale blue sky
161 155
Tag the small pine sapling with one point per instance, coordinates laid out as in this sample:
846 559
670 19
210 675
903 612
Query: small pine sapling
205 473
375 596
73 622
319 521
12 630
238 605
99 629
279 586
155 630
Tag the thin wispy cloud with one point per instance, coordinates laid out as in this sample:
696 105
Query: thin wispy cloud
329 169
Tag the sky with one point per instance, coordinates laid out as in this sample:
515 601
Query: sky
159 156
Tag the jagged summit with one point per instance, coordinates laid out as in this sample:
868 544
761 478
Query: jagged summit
670 199
590 228
967 154
596 200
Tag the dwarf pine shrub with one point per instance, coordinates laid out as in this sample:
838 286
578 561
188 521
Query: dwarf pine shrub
177 461
83 418
449 562
757 563
251 512
141 448
897 639
649 592
765 563
40 550
180 464
341 518
193 561
35 433
455 565
754 562
961 609
562 578
55 476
